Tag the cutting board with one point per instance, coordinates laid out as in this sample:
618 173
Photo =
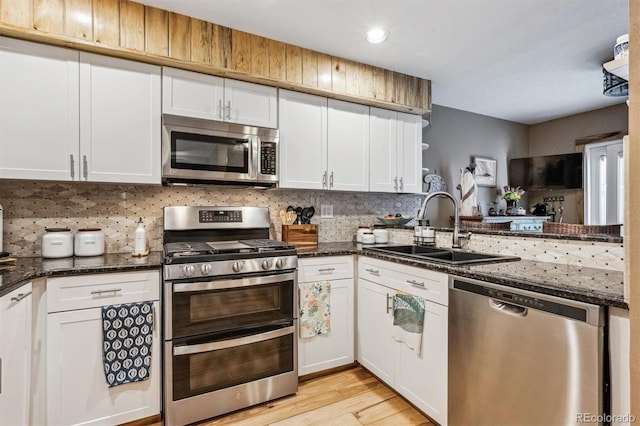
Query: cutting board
300 235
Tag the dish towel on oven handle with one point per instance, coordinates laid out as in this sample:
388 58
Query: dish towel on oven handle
315 308
408 320
127 335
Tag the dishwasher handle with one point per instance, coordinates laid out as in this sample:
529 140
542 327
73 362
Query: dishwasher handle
508 308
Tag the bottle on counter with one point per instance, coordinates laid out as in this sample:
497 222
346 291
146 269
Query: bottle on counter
140 239
428 234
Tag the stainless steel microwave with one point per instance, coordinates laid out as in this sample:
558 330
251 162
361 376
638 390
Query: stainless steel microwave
204 151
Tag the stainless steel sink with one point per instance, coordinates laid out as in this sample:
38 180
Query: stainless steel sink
442 255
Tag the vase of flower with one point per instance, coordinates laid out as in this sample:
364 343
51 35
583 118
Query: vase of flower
512 195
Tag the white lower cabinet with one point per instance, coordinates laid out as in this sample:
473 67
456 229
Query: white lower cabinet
77 391
15 356
619 341
422 379
335 348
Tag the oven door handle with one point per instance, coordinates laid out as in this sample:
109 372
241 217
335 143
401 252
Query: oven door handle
225 344
234 283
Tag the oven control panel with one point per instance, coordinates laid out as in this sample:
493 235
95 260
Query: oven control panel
220 216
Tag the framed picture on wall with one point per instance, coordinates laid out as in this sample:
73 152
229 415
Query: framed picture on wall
486 170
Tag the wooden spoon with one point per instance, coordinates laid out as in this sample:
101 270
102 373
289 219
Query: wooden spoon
283 217
291 217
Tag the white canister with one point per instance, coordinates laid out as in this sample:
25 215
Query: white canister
381 236
361 230
89 242
57 243
368 238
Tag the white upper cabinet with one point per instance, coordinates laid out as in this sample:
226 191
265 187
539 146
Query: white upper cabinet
39 111
120 120
252 104
303 140
192 94
66 115
348 146
396 154
324 143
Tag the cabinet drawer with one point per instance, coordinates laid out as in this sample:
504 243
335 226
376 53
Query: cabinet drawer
91 291
429 285
325 268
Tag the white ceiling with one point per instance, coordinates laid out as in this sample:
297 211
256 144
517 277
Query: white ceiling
526 61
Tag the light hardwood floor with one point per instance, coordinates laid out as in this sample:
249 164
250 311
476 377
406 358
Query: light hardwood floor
350 397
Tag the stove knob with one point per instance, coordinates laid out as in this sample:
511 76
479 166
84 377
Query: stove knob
266 264
237 266
188 270
280 263
205 269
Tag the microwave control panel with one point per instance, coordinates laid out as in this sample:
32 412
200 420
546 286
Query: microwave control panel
268 158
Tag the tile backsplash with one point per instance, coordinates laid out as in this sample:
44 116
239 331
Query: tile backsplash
30 207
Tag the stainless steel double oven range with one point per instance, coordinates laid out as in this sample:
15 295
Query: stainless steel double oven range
230 297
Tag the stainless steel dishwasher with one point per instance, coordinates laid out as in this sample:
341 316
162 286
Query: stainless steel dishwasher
522 358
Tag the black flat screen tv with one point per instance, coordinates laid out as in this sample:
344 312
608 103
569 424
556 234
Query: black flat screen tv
546 172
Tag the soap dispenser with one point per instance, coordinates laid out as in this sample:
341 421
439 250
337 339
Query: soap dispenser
140 240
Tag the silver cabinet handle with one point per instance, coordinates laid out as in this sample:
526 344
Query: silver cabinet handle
73 166
324 179
101 292
416 283
401 184
220 108
326 269
331 181
85 167
389 308
373 271
228 108
395 183
19 297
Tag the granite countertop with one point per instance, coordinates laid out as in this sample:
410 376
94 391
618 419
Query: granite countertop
591 285
30 268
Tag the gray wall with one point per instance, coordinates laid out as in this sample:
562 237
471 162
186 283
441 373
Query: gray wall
454 137
559 136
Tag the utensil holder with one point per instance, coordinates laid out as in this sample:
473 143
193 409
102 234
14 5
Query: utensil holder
300 235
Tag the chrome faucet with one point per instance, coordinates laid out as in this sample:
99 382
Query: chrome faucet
456 221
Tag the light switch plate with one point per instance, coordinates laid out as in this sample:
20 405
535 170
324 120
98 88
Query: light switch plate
326 211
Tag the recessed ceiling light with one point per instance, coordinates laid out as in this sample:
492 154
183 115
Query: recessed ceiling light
376 35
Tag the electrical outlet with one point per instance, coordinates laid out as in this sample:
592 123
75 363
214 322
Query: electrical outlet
326 211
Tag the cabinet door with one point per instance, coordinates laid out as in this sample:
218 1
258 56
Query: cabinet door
77 390
15 356
120 120
303 141
423 379
335 348
191 94
383 173
409 153
251 104
39 111
348 146
375 327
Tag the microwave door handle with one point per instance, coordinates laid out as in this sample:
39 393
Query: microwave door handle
225 344
254 164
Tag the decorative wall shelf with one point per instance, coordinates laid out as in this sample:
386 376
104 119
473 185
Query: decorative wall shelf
619 67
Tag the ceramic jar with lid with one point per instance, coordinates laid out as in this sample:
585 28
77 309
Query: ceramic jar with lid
57 243
381 236
361 230
368 238
89 242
